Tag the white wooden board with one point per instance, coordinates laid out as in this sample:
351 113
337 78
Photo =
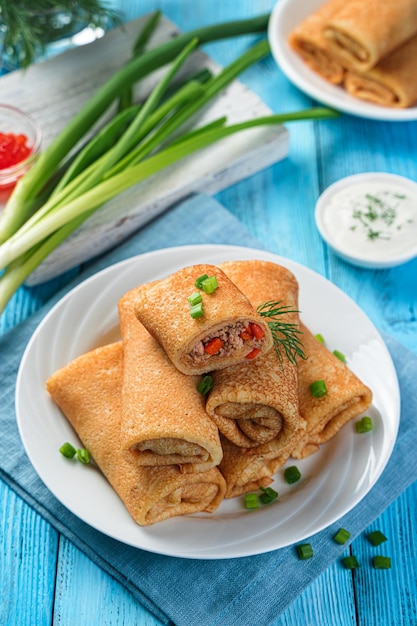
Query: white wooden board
54 90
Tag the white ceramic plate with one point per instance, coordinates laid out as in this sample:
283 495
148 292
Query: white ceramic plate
333 481
284 17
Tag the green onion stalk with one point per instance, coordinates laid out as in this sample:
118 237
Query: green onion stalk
137 143
21 201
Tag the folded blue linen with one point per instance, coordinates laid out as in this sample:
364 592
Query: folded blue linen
183 591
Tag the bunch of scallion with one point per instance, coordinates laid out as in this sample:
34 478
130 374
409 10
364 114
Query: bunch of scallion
66 185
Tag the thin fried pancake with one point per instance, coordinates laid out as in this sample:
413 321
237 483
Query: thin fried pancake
88 392
308 41
253 403
392 82
163 308
362 32
346 397
164 421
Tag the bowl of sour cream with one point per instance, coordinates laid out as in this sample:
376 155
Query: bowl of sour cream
370 219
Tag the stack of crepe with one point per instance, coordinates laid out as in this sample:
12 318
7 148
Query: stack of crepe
368 47
88 392
305 422
166 449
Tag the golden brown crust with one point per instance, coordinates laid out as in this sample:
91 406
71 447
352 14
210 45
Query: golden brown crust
361 32
246 470
252 403
308 41
347 396
162 307
164 421
88 392
392 82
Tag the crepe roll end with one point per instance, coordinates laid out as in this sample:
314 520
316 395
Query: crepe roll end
228 331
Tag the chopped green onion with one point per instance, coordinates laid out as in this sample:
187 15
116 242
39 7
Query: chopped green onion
64 206
318 388
341 536
83 455
251 501
364 425
305 551
67 450
268 495
195 298
209 285
381 562
205 385
350 562
22 203
376 537
292 474
199 281
197 310
340 355
320 338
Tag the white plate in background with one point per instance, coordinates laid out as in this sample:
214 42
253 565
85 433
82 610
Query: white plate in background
287 14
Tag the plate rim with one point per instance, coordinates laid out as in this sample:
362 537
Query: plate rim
201 553
305 79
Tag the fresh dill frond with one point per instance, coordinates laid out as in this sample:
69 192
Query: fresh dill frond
284 334
27 27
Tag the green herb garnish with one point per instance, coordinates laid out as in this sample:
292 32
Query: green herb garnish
268 495
205 384
341 536
209 284
195 298
305 551
285 334
197 310
381 562
376 537
364 425
340 355
84 456
379 209
67 450
350 562
292 474
318 388
251 501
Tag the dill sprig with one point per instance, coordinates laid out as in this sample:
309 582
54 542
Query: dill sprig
284 334
27 26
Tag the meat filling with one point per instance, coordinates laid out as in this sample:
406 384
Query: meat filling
233 339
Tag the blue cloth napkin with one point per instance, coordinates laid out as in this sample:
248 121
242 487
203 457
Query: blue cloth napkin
183 591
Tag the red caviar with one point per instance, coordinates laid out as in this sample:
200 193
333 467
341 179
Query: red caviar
13 149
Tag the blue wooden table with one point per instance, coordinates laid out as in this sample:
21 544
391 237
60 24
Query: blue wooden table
45 579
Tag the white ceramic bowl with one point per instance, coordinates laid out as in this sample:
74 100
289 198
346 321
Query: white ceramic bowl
370 219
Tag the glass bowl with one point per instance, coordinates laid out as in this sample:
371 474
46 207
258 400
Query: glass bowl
15 121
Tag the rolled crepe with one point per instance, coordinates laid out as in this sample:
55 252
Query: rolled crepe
362 32
164 309
346 398
392 82
309 42
88 392
253 403
164 421
249 469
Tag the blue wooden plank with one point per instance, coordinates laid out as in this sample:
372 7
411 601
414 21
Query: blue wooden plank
277 205
27 563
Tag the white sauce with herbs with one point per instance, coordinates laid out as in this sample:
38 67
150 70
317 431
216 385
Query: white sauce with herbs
374 220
